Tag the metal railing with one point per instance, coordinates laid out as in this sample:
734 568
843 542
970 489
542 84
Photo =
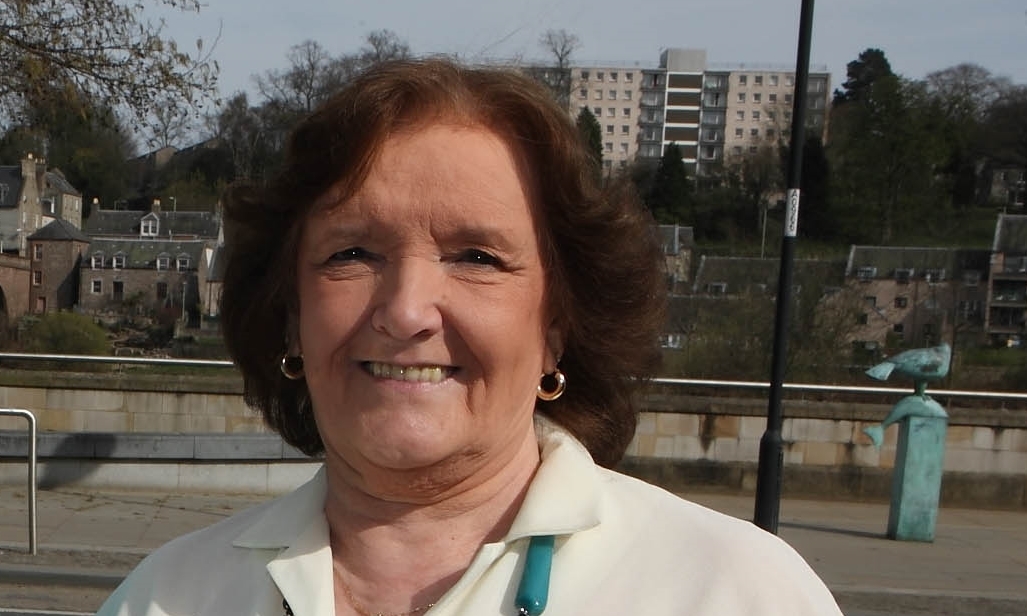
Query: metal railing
859 389
32 471
725 384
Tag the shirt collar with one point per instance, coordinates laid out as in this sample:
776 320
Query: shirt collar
563 497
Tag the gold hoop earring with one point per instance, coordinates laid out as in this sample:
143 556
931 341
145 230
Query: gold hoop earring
292 367
548 395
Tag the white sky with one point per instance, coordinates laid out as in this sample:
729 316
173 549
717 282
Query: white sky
917 36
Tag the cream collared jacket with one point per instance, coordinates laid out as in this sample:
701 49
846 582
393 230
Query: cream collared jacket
622 547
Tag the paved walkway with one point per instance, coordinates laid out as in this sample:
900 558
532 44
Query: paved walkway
976 565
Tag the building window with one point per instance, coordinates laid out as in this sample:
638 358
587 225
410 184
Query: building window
119 290
96 287
755 116
753 149
772 98
770 133
163 262
182 262
623 148
37 252
597 112
600 75
625 129
741 97
866 273
626 112
148 227
716 288
584 75
627 95
629 77
901 301
611 112
740 114
608 146
754 132
898 328
612 94
863 318
609 129
97 261
37 278
871 301
613 75
757 80
598 94
739 133
790 80
773 80
788 99
743 80
757 97
118 262
737 150
934 275
583 93
971 278
162 290
902 275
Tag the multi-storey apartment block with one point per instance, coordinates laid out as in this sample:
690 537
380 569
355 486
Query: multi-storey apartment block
612 94
714 114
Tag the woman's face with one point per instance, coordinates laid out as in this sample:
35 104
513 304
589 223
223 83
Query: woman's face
422 310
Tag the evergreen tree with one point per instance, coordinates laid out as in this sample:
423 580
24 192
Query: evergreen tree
671 195
592 135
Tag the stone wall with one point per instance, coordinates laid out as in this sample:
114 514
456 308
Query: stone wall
684 440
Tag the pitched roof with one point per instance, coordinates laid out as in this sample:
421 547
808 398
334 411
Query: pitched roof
887 259
142 254
1010 234
55 180
126 223
751 274
10 176
60 230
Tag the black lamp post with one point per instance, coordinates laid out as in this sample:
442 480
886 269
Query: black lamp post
768 480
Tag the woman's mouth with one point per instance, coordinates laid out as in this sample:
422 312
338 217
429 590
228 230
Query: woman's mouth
411 374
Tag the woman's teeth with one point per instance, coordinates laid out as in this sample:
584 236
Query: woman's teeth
413 374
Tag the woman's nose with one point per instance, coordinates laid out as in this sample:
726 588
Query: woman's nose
407 300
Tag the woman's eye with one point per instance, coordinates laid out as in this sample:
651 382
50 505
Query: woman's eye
351 254
479 257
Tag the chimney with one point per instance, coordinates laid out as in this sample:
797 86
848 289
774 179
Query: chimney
155 208
28 167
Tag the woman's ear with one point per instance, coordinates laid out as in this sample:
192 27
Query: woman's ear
554 348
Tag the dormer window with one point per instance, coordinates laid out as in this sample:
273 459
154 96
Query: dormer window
182 262
934 275
118 262
866 273
149 227
716 288
163 262
902 275
97 260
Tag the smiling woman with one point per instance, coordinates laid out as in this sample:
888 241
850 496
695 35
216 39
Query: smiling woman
436 297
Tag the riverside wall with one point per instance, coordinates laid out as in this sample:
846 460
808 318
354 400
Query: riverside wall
178 433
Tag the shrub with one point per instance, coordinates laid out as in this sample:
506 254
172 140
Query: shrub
64 332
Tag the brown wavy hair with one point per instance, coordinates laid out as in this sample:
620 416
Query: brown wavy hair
603 264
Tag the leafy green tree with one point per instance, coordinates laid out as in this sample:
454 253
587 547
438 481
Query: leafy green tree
861 74
105 48
64 332
592 135
670 198
885 149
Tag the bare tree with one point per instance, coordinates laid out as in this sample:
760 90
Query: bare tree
104 48
561 45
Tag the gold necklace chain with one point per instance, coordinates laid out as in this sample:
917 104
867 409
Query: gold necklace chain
363 611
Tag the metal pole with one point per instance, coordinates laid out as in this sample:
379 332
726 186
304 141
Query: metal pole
768 481
28 416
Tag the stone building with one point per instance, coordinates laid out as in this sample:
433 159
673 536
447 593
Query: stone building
55 254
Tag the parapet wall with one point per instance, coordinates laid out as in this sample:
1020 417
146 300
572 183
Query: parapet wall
684 441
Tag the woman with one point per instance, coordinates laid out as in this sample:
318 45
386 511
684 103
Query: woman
433 245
